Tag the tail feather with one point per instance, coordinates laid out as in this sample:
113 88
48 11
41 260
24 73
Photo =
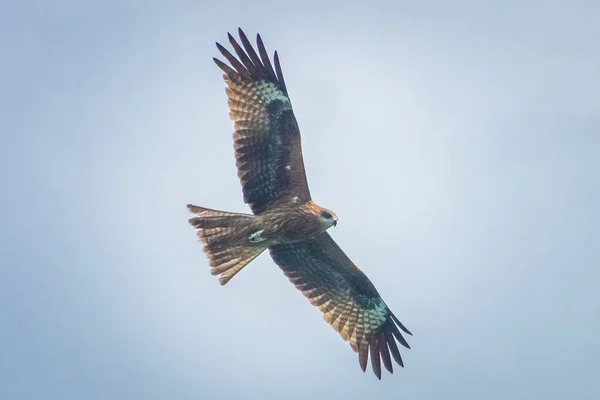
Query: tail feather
224 236
236 259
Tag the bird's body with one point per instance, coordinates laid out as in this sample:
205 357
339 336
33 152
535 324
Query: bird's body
285 220
290 223
280 224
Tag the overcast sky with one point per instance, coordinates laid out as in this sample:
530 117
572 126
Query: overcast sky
458 144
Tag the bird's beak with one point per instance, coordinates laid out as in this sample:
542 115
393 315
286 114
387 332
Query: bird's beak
334 223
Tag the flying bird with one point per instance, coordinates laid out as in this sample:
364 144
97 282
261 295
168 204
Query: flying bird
285 220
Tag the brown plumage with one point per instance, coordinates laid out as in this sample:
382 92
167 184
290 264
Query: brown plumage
285 220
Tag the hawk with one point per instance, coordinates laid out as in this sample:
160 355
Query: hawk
284 218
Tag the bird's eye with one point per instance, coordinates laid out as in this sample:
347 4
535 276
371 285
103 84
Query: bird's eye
326 214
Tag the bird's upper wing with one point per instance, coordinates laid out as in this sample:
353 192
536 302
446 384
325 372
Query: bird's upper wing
267 138
349 301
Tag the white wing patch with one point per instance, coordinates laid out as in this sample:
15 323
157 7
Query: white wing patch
256 237
379 314
271 92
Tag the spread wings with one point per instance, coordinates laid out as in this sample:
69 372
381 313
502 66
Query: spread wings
267 138
349 301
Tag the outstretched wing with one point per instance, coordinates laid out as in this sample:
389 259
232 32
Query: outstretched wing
349 301
267 138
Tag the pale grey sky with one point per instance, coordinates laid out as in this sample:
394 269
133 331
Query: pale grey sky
458 143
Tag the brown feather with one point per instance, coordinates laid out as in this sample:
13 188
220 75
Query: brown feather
224 236
363 355
375 361
385 353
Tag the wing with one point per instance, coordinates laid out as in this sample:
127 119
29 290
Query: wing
267 144
349 301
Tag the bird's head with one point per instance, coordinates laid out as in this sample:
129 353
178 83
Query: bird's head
328 218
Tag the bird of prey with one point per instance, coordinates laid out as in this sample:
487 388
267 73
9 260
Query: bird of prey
284 218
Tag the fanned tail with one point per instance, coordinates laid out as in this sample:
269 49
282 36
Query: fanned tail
225 238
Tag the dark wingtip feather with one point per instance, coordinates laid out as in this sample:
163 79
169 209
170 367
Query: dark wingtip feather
398 335
251 52
394 350
231 73
279 73
248 64
385 352
363 355
222 50
262 51
375 360
396 320
238 66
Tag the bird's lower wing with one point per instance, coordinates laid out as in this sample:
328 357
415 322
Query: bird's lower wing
349 301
